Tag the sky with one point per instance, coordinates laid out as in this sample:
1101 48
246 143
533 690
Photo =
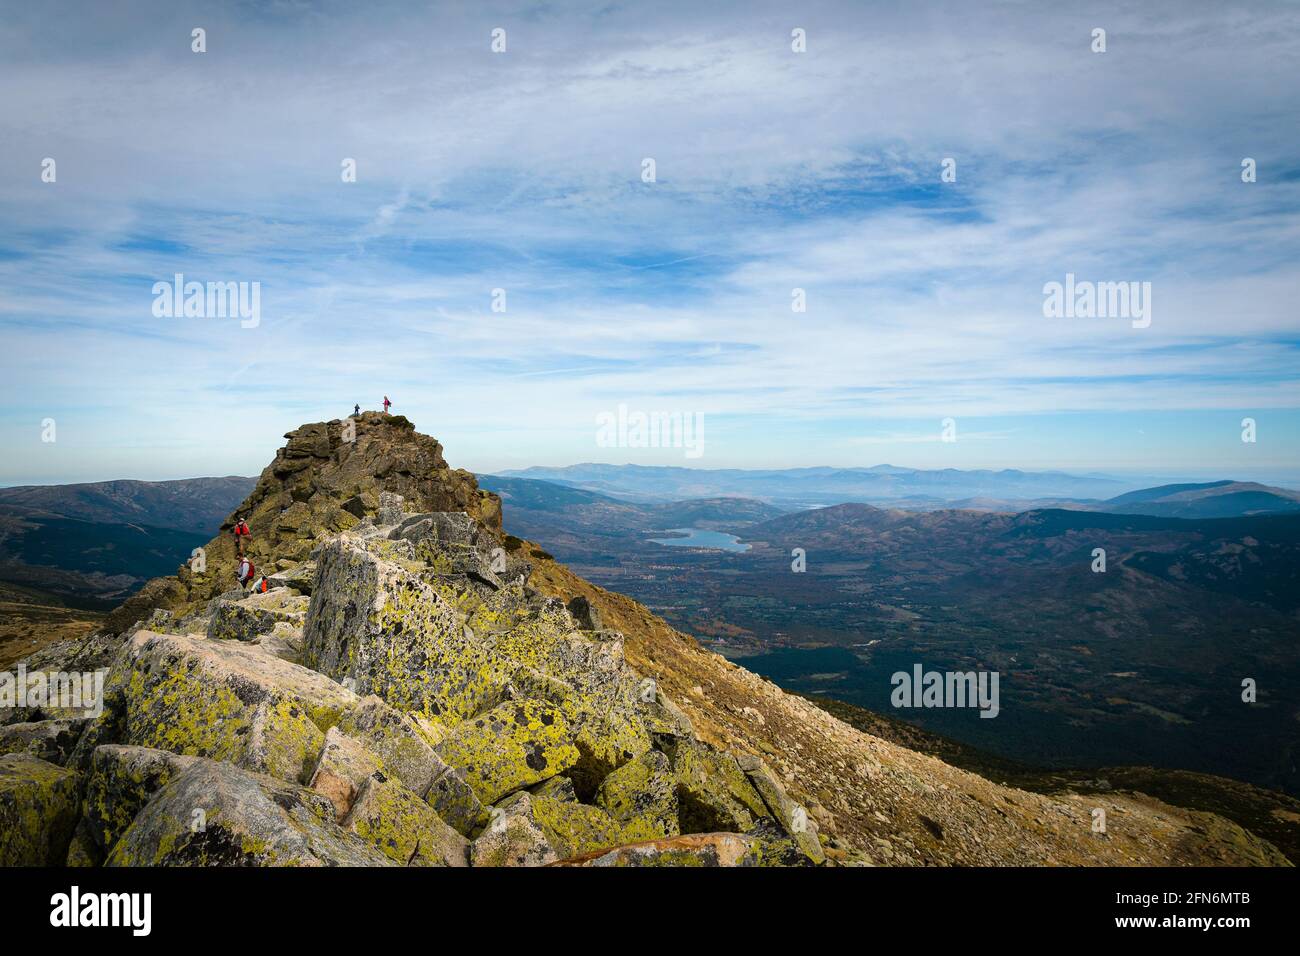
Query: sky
775 170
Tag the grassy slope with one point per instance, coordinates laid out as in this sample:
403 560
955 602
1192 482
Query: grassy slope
1266 813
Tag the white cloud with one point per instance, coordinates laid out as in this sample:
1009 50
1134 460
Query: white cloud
521 171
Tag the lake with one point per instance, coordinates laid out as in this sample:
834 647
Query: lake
700 538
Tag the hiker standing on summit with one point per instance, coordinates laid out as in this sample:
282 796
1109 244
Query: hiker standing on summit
386 404
356 410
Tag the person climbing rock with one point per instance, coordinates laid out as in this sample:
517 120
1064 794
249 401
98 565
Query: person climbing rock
386 404
245 572
356 409
240 531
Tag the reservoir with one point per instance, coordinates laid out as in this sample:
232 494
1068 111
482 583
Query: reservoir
700 538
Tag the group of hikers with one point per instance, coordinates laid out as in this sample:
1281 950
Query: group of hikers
246 572
356 409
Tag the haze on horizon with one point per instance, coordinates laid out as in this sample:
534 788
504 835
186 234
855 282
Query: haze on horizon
775 170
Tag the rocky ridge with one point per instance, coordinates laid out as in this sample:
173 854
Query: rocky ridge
419 689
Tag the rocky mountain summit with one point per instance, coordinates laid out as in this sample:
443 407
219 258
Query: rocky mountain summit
417 688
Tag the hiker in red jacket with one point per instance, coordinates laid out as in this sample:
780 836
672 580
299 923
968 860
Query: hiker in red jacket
386 404
240 531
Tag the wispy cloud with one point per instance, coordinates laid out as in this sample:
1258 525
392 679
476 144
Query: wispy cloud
522 171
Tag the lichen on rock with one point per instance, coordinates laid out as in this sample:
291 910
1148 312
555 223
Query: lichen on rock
513 837
213 814
38 811
223 700
512 746
404 827
642 796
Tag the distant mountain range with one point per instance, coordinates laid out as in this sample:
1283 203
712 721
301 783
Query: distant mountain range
190 504
1216 499
913 489
795 488
91 545
622 488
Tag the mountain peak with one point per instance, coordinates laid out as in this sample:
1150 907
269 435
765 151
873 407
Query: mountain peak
327 477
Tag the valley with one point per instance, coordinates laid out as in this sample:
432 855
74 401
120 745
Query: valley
1141 664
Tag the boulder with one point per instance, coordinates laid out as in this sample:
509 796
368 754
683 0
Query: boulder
471 563
642 796
514 745
284 641
513 837
250 617
699 849
391 508
713 793
375 623
283 741
574 828
396 741
594 664
362 504
299 577
586 614
309 441
342 770
83 851
52 740
447 528
214 814
660 714
399 745
793 818
589 681
121 781
432 730
455 801
38 811
556 788
404 827
219 699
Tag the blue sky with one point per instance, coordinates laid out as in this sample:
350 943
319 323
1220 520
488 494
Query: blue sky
775 170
